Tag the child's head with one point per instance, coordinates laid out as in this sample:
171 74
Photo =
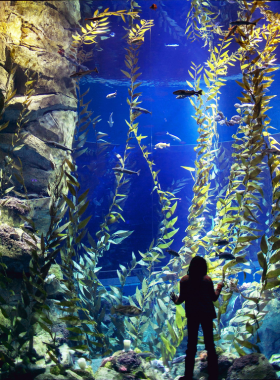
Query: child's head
198 267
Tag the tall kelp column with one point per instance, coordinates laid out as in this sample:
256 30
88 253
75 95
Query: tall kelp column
238 208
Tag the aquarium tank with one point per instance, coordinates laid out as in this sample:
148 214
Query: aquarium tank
135 136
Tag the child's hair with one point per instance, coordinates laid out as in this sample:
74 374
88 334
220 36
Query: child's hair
197 268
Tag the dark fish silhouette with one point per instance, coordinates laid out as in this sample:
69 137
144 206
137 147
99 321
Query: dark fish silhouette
58 145
172 252
94 18
187 93
272 151
126 171
241 22
178 360
28 227
231 32
153 6
126 310
145 355
222 242
83 73
139 109
226 256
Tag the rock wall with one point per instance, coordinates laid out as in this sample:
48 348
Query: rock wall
31 33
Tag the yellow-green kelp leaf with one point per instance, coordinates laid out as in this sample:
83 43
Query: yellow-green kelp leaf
178 319
264 247
247 344
165 245
170 234
239 350
274 258
262 260
168 346
171 211
272 284
188 168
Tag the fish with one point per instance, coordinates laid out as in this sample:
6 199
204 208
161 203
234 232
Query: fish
158 364
139 109
242 22
178 360
126 310
136 39
126 171
111 120
173 137
245 105
169 276
221 243
112 95
221 114
112 34
272 151
217 118
230 123
231 32
58 145
236 118
181 97
145 355
28 227
161 145
94 18
172 252
82 73
153 6
187 92
62 53
256 71
225 256
171 45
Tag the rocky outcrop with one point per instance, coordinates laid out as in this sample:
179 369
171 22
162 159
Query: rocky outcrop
253 366
31 33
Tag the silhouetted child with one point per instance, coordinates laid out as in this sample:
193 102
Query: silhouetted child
197 291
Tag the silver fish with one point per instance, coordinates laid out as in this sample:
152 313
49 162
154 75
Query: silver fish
178 360
171 45
58 145
158 364
111 120
173 137
141 110
236 118
112 95
245 105
126 171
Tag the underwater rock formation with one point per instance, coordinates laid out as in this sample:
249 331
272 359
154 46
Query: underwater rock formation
31 35
126 366
252 366
225 361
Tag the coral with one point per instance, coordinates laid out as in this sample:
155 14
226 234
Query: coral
55 370
203 356
128 360
108 365
137 350
105 360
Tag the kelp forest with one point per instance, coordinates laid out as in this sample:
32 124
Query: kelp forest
235 198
